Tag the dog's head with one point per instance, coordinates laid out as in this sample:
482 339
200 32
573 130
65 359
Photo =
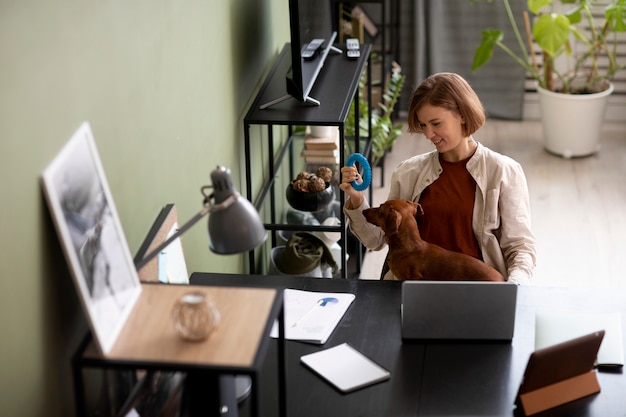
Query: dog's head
390 215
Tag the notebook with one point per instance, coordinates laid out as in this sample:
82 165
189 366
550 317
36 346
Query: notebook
463 310
346 368
312 316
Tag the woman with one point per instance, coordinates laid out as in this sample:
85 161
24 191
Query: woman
475 200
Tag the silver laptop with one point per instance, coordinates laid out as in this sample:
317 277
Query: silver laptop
458 310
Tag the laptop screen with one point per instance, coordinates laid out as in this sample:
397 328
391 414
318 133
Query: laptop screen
458 310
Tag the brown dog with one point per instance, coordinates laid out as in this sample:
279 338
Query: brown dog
412 258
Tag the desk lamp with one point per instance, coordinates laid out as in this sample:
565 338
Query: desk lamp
234 225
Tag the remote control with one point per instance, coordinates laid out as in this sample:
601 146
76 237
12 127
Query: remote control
315 43
311 48
352 44
353 53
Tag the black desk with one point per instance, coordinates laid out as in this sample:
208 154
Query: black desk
428 379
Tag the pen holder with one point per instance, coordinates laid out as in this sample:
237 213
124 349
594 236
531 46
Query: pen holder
195 316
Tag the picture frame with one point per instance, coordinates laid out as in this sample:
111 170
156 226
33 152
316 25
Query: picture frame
91 236
169 267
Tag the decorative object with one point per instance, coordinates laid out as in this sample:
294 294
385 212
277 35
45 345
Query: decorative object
309 201
321 270
91 235
331 239
311 191
195 316
572 46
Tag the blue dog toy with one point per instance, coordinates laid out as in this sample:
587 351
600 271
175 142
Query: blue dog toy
367 171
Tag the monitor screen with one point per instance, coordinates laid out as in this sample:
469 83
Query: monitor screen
309 20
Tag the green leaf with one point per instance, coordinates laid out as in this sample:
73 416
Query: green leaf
536 5
615 15
575 15
551 32
485 50
580 36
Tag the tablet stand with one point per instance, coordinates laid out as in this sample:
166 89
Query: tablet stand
559 393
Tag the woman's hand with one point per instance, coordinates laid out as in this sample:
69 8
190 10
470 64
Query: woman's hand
348 175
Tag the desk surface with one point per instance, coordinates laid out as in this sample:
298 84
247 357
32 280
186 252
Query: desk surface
443 379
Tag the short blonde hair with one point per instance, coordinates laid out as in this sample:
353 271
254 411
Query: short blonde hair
452 92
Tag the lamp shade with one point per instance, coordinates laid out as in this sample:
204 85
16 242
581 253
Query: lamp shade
234 227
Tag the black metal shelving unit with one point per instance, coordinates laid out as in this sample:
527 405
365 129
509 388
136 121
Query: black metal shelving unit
384 17
335 88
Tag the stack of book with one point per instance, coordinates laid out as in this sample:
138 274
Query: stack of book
321 150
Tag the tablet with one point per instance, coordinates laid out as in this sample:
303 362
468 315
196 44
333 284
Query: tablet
345 368
561 361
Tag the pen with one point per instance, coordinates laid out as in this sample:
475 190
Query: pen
318 303
321 302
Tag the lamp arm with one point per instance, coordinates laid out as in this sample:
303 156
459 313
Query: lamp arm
143 261
208 208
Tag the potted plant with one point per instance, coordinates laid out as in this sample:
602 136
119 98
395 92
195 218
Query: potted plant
572 45
384 131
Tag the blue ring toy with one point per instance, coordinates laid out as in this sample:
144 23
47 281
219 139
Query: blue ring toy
367 171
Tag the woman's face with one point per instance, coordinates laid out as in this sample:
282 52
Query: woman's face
442 127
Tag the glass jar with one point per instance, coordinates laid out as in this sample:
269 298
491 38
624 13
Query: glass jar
195 316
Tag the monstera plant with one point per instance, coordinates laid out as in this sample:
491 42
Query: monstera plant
573 36
580 52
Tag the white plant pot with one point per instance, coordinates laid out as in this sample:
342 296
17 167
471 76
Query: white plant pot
323 131
572 123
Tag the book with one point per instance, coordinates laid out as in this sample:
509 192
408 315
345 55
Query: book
319 152
311 316
322 159
311 142
556 326
345 367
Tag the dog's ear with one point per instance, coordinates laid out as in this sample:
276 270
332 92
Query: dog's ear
394 218
419 211
419 214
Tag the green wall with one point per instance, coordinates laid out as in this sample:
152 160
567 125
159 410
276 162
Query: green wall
165 85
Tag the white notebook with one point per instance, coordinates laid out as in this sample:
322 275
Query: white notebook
556 326
345 367
312 316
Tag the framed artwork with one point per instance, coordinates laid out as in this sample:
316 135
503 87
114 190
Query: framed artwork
91 236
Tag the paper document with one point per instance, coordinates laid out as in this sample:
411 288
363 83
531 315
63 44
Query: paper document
345 367
312 316
556 326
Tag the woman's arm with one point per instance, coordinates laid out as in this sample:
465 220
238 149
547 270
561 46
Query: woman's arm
517 240
370 235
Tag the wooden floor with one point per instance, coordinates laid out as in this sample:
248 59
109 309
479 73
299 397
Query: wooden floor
578 205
